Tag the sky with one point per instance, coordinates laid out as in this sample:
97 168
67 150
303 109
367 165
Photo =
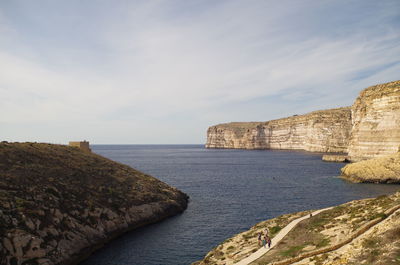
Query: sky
163 71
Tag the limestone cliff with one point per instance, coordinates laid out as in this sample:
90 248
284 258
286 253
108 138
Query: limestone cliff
318 131
376 122
58 203
378 170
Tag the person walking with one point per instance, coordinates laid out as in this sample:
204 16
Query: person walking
269 242
259 239
266 232
264 241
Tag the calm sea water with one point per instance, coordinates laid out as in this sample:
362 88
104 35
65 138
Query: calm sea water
230 190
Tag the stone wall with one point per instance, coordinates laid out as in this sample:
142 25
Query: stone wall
318 131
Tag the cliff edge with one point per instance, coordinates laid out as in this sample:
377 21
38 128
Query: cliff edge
376 122
58 203
318 131
369 129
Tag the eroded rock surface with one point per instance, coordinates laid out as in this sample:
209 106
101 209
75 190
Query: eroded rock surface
318 131
58 204
369 129
376 122
378 170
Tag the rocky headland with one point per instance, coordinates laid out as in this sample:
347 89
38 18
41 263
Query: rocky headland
368 129
58 204
358 232
378 170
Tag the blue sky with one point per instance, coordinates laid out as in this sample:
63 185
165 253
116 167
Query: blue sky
151 72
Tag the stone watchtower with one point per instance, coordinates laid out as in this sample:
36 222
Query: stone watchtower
83 145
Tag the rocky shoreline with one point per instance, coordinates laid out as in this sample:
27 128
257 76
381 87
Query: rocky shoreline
58 204
379 170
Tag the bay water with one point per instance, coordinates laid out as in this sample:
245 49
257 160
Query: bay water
230 191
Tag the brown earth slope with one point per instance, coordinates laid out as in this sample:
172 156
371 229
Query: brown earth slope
58 204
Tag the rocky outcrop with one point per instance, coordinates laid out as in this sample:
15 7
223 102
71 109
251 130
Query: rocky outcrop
378 170
58 203
318 131
335 158
376 122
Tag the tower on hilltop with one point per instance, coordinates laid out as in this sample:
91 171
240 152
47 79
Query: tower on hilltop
83 145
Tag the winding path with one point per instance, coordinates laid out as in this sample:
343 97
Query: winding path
260 252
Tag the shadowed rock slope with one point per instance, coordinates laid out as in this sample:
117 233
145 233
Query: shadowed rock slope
58 204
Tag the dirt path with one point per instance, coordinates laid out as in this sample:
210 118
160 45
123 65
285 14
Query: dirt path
277 238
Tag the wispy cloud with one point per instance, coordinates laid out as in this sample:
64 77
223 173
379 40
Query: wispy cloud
162 71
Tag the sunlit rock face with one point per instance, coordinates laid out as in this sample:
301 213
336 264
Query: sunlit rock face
376 122
318 131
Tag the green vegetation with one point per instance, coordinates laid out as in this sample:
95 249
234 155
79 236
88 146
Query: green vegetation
275 230
292 251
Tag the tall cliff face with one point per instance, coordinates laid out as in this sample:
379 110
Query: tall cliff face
318 131
376 122
58 203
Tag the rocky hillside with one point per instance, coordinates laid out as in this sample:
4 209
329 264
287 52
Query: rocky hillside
318 131
58 204
358 232
378 170
376 122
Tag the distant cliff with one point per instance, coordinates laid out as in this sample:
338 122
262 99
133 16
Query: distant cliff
370 128
58 203
376 122
318 131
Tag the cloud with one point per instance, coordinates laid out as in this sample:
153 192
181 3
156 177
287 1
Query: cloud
156 65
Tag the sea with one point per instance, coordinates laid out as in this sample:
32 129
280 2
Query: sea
230 191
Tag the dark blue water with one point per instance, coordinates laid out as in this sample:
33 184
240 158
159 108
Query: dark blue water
230 190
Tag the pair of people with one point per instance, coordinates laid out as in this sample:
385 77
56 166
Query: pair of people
264 240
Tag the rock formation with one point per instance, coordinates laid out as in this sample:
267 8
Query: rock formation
335 158
376 122
58 203
371 128
318 131
378 170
